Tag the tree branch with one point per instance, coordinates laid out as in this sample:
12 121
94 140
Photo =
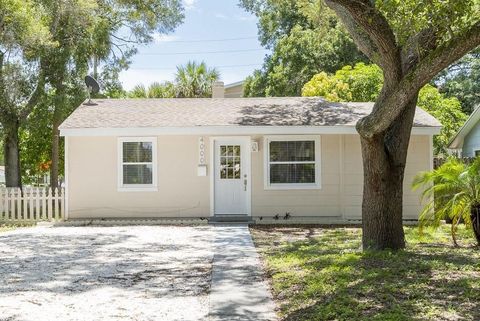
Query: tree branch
361 39
35 96
417 47
446 54
6 109
386 110
362 14
122 39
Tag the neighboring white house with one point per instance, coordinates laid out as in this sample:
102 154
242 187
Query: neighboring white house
234 90
466 141
2 175
249 157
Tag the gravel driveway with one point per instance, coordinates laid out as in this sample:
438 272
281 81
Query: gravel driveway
106 273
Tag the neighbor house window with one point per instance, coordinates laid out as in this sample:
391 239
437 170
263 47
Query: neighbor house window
477 153
292 162
137 163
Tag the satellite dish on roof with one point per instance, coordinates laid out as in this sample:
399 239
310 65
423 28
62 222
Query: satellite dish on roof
92 86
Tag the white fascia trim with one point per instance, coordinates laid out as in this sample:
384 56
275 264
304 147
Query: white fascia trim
227 130
234 84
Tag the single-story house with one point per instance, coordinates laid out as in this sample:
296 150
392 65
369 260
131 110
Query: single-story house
466 142
290 158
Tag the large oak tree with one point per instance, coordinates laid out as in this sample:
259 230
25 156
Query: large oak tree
412 41
23 37
45 48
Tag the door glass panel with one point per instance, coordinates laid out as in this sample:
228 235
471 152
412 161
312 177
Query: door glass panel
230 162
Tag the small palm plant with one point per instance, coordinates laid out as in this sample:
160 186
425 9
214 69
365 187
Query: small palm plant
194 80
451 191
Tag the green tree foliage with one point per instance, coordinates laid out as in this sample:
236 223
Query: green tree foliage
305 39
23 26
447 110
451 191
161 90
23 38
103 33
364 82
359 83
195 80
139 91
462 80
36 133
110 85
155 90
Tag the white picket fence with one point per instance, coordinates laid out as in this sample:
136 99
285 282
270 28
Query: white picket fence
33 204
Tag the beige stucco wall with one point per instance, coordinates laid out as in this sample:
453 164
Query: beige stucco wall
92 181
418 159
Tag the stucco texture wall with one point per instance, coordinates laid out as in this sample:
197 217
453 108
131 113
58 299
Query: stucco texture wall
93 190
92 181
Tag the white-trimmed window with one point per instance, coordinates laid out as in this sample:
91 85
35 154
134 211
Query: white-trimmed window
292 162
137 159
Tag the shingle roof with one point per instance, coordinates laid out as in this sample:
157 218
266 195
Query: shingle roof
190 112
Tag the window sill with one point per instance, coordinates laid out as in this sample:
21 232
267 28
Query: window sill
138 189
292 187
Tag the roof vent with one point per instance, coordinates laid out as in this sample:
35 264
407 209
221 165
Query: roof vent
218 90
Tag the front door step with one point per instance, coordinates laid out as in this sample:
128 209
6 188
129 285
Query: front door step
219 219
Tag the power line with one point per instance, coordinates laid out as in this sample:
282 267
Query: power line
211 40
196 52
170 68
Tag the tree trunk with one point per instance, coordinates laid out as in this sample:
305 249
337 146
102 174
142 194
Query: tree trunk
13 175
59 105
384 159
55 152
382 198
475 219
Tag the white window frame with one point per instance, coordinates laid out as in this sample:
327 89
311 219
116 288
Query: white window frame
266 161
137 187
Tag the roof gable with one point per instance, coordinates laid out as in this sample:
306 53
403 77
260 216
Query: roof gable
457 141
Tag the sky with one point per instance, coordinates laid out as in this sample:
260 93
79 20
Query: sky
218 32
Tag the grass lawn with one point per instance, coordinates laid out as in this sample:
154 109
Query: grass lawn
321 274
9 227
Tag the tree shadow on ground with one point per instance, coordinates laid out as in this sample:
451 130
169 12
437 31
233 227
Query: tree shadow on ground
327 277
57 260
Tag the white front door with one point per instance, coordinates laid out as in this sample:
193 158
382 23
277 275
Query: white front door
231 175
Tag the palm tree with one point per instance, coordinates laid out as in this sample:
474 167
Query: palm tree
452 191
138 91
161 90
194 80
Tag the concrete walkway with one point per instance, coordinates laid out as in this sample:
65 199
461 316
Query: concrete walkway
238 290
